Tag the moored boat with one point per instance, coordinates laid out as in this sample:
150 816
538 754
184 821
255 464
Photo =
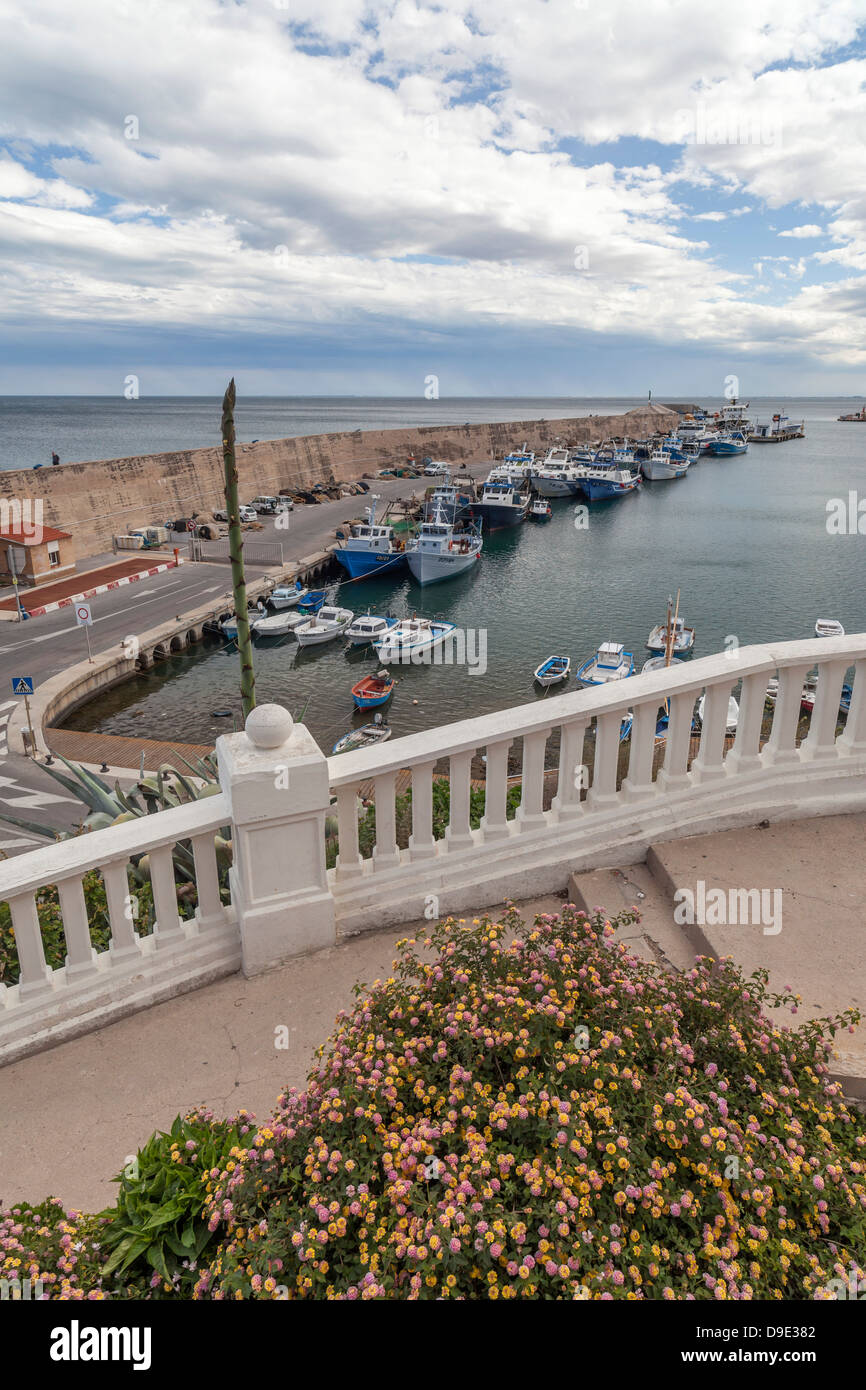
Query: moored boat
660 465
610 663
439 552
674 633
600 483
287 595
540 510
370 549
365 737
413 640
554 669
829 627
501 504
323 626
731 718
372 691
312 600
726 445
277 624
369 627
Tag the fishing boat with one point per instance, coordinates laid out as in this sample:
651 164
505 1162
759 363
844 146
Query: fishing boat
726 445
731 717
610 663
500 505
669 629
277 624
829 627
413 640
554 669
626 726
660 465
658 663
287 595
599 483
373 691
439 552
845 702
229 625
369 627
364 737
540 510
448 502
370 549
673 631
323 626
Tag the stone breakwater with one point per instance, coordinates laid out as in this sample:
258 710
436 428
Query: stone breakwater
95 501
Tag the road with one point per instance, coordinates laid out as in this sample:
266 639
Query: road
44 646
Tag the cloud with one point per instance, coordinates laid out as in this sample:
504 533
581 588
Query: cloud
179 164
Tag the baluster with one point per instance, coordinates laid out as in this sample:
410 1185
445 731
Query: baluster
81 959
639 785
602 793
210 911
494 823
853 739
125 942
745 754
673 775
782 744
708 766
386 854
349 861
820 741
34 976
572 773
167 929
530 812
421 842
459 835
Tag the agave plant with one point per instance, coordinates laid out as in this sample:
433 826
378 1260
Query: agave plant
107 806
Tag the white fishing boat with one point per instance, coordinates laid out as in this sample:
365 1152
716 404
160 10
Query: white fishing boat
323 626
829 627
731 717
660 466
277 624
540 510
610 663
287 595
673 632
658 663
412 640
369 627
554 669
439 552
230 625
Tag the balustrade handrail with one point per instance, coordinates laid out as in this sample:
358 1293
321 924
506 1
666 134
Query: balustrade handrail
518 720
67 858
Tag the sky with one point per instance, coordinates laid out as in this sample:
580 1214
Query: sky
556 197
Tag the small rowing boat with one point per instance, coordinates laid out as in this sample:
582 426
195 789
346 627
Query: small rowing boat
413 640
555 668
369 627
364 737
287 595
829 627
278 624
323 626
373 691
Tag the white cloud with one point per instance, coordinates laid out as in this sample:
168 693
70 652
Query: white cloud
810 230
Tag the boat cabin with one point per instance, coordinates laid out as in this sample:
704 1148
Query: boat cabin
609 656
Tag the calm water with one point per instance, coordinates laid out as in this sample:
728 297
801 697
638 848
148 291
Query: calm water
744 539
83 428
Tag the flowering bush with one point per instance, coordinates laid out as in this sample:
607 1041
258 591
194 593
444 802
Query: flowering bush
517 1112
551 1118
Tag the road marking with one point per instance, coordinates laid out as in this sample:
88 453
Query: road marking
29 797
115 613
5 714
19 842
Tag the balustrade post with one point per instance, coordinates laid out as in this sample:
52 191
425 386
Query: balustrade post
275 778
572 779
34 975
349 861
853 738
820 742
782 747
530 812
602 793
709 765
421 842
745 754
81 958
674 775
494 822
459 834
638 785
386 855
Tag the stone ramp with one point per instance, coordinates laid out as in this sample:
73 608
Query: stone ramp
812 872
120 753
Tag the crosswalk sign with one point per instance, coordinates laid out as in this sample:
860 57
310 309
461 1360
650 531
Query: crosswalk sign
22 685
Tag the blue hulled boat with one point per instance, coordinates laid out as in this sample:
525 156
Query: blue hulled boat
599 483
729 444
370 549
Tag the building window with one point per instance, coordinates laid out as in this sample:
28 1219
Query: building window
53 553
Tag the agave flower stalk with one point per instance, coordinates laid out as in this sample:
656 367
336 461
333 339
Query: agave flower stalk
236 552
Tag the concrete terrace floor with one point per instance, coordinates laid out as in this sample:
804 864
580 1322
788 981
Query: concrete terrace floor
72 1115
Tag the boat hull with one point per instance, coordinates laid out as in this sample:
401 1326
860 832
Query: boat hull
600 490
361 563
496 516
429 567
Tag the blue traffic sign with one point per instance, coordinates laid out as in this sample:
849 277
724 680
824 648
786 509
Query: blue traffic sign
22 685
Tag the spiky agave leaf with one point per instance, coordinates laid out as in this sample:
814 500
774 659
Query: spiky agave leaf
98 789
78 788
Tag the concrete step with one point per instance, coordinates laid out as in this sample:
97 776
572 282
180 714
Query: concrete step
656 937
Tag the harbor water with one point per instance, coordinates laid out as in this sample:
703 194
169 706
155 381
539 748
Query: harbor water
745 540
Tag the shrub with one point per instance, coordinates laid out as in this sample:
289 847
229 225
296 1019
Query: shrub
551 1118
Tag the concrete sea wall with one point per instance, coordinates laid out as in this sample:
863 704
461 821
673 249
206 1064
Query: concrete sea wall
94 501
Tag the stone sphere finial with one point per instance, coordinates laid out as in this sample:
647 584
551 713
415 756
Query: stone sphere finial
269 726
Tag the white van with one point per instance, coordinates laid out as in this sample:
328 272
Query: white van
271 505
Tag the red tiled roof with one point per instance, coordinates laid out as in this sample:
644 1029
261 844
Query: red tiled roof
24 536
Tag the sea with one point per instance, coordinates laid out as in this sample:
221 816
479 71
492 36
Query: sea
744 541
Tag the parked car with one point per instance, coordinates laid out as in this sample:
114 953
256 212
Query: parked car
247 513
269 506
437 466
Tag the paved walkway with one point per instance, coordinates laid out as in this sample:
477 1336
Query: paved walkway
45 598
117 752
